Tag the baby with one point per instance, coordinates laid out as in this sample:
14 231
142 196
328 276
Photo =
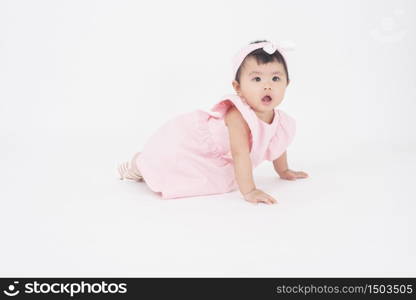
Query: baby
213 152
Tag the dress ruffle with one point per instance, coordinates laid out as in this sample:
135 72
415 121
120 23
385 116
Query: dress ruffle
204 135
283 137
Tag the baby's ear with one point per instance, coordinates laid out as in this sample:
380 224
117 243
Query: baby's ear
236 86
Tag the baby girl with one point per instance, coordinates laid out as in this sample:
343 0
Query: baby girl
213 152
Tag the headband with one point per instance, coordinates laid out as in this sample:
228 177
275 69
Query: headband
269 47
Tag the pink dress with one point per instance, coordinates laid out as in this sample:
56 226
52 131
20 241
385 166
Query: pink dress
190 154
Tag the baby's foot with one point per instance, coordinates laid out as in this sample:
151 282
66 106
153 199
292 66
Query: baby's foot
128 170
133 164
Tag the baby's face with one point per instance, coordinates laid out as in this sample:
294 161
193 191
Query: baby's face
258 81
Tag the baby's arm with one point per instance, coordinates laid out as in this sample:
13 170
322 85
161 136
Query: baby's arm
280 164
240 149
239 133
281 167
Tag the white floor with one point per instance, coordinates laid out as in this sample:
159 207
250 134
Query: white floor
65 213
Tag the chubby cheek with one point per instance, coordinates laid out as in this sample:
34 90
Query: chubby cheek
252 92
280 94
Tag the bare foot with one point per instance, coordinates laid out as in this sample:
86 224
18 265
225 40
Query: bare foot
133 163
129 170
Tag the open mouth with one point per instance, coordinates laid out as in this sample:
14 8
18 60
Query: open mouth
266 99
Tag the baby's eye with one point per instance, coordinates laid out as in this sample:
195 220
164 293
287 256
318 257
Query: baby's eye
277 78
255 78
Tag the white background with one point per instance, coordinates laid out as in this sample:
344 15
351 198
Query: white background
83 84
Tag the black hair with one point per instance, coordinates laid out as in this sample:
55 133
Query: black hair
262 57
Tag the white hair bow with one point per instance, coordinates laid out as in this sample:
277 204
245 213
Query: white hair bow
284 45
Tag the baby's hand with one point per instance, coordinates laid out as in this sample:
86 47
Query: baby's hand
256 196
292 175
